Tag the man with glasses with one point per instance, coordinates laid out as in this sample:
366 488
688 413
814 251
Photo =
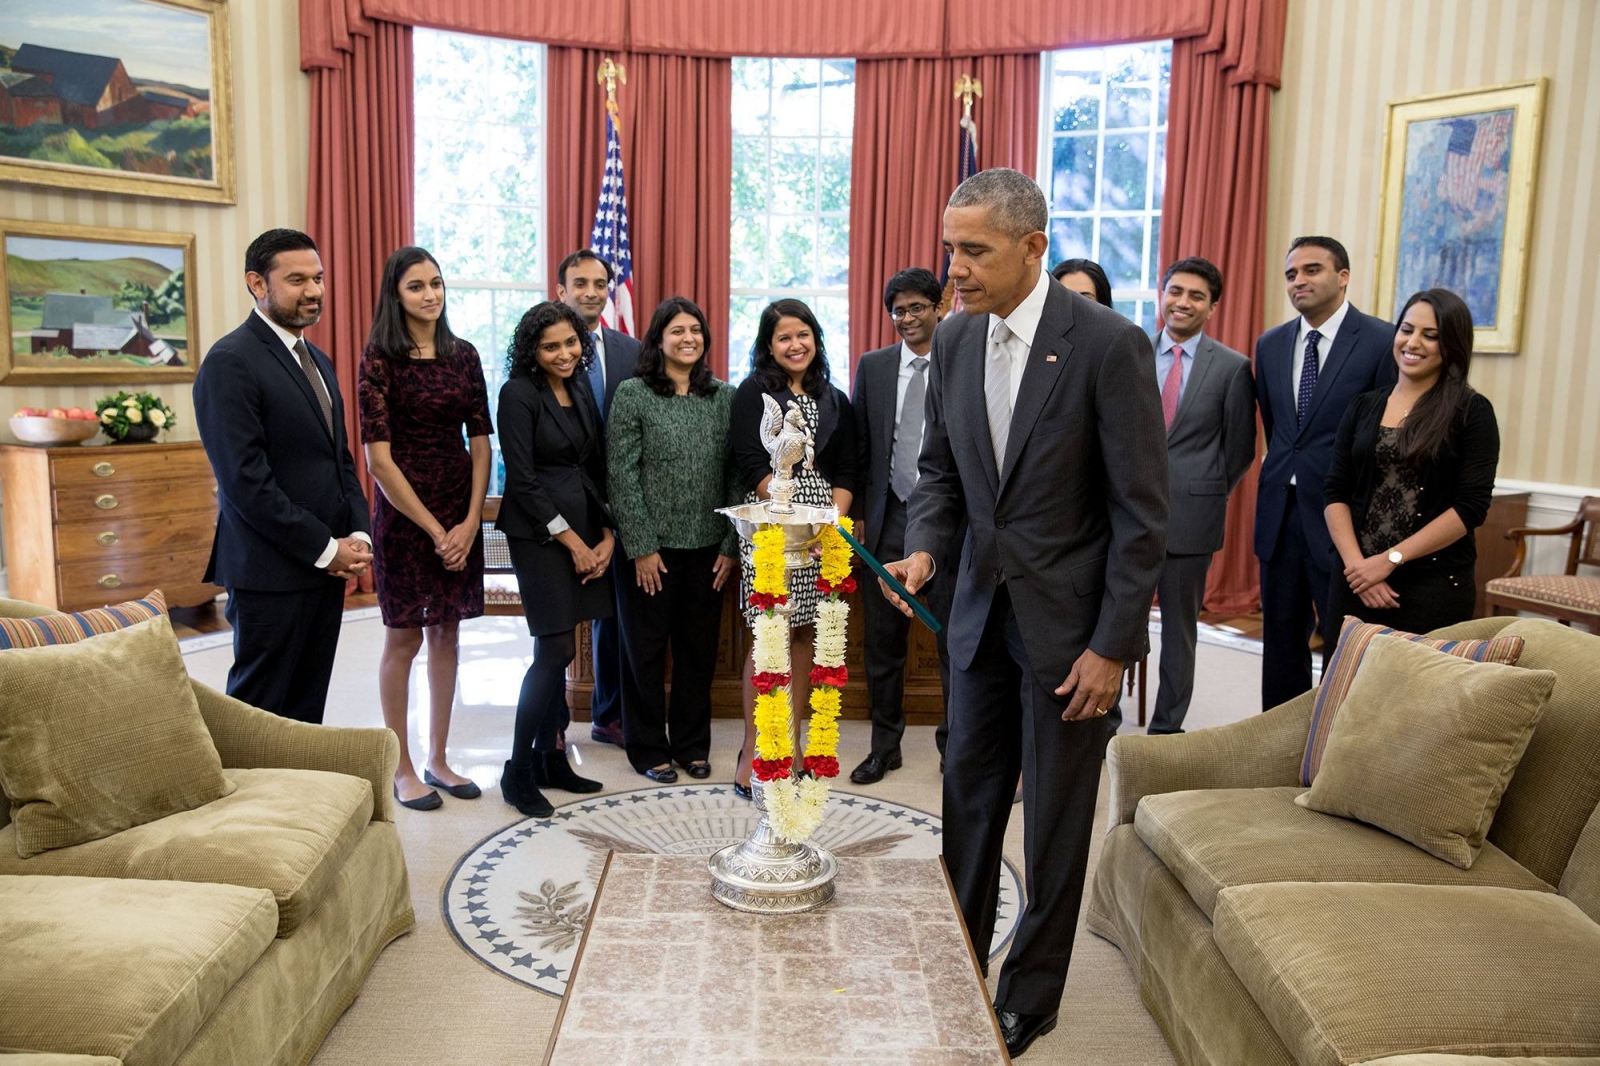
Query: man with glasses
889 389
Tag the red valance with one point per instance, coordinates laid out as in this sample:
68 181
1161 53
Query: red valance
819 29
1009 26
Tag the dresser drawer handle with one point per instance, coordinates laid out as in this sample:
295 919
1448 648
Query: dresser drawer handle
104 470
106 539
106 502
110 581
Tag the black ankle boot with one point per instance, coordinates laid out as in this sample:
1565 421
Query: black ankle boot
519 790
555 772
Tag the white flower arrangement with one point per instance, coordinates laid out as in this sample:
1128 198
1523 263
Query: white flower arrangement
833 616
771 644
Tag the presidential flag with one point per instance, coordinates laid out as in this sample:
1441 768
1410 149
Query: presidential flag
610 237
966 166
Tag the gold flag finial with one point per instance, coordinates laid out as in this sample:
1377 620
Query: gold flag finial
968 87
610 73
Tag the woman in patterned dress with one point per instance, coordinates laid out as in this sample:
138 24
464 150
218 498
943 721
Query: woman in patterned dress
790 364
1413 470
420 385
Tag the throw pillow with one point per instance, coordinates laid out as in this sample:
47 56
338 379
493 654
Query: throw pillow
1426 744
70 628
102 735
1354 637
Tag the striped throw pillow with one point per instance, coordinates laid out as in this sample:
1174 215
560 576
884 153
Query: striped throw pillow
1354 637
50 629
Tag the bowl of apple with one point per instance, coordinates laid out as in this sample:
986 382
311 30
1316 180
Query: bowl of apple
55 425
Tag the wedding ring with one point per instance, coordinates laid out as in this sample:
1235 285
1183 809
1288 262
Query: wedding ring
1103 710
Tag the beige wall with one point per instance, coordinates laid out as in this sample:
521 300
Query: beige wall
271 108
1343 61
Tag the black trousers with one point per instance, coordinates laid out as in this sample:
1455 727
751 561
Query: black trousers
887 633
1294 600
283 648
1431 597
685 618
1182 589
1002 721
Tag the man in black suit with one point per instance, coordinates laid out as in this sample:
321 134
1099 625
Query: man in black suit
1308 371
891 385
292 522
1044 431
585 286
1208 401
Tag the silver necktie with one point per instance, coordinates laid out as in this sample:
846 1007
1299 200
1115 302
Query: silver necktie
997 391
908 432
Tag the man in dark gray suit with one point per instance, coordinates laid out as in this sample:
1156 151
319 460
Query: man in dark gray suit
1208 400
1043 430
891 385
585 286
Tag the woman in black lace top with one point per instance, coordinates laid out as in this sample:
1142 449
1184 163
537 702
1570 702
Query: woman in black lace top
1413 471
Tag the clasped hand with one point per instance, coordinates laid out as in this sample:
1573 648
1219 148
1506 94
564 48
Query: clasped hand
591 563
351 558
1369 580
452 545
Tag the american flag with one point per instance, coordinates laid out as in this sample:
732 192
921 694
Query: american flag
610 237
966 166
1475 145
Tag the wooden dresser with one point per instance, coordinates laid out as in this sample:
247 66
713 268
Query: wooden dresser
87 526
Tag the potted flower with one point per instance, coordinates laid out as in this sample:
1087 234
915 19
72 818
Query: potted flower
134 416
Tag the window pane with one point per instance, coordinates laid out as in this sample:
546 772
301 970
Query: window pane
1122 251
742 321
1128 309
834 250
749 174
748 252
793 252
833 175
794 175
795 105
516 248
750 100
1073 173
462 245
1158 171
833 315
838 97
1154 277
471 318
1071 238
514 81
1124 184
1075 103
1127 107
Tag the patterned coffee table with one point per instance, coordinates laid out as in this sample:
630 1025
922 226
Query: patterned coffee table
883 974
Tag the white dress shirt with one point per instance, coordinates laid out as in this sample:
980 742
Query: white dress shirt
289 341
1328 330
1023 322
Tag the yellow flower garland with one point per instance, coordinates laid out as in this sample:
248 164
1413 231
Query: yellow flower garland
766 557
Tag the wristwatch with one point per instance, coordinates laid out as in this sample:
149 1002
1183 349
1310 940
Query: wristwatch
1395 557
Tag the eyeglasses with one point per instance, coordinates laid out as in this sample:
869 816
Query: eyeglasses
913 310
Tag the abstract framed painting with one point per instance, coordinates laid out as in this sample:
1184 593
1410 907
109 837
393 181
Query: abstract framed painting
82 305
1459 171
120 96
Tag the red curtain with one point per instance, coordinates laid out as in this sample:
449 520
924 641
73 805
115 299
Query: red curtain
1042 25
824 29
1215 206
677 157
359 196
903 165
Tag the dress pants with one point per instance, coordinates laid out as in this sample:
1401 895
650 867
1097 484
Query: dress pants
685 617
1294 600
887 634
283 647
1002 720
1182 590
605 702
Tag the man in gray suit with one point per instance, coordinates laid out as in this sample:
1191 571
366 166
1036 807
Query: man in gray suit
1208 400
1042 429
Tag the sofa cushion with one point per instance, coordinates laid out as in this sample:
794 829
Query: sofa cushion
286 831
1355 637
1480 1060
129 969
101 735
1581 881
1426 745
1557 784
1212 839
56 628
1349 972
50 1058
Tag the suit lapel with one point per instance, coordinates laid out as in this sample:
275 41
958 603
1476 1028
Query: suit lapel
1343 344
884 391
1046 358
971 367
1204 357
558 415
1285 397
291 366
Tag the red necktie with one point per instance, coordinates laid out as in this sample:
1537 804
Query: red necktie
1171 387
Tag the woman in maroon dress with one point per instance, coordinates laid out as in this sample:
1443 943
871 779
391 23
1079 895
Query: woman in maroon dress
419 386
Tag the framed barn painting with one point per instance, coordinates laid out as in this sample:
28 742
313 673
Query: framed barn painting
123 96
1459 173
84 305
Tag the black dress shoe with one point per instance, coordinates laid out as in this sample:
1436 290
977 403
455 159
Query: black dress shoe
466 791
743 791
874 766
518 789
664 775
1021 1030
698 769
610 733
430 802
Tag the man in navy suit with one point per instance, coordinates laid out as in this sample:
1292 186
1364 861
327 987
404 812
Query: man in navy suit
585 286
292 521
1308 371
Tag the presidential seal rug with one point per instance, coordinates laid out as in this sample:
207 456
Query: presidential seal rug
518 901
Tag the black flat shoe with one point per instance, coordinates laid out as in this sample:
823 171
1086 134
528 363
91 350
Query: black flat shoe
430 802
1021 1030
466 791
699 769
874 766
743 791
664 775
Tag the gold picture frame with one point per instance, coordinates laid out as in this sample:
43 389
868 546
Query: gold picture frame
1459 174
136 125
67 295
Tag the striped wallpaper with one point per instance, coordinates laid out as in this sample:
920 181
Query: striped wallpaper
1344 60
271 105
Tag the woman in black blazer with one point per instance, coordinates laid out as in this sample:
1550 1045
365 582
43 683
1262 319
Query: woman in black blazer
790 364
557 526
1413 470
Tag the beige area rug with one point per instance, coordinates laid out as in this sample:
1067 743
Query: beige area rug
427 1001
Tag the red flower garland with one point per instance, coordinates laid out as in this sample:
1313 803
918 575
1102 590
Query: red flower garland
827 587
771 769
836 676
822 765
766 601
765 683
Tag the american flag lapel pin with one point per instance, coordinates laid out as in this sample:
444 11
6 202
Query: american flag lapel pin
1050 358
